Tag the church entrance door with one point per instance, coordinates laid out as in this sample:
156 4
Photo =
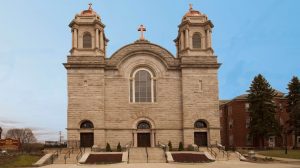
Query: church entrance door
200 138
143 140
86 139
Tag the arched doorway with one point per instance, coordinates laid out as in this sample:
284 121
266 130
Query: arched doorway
86 134
200 133
143 134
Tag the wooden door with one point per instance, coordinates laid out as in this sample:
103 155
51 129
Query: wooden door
86 139
143 140
200 138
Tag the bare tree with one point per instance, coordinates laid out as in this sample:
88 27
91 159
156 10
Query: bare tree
24 134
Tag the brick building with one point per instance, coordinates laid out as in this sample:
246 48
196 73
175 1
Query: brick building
235 120
142 94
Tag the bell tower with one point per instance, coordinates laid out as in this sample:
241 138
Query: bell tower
194 35
86 81
88 37
199 75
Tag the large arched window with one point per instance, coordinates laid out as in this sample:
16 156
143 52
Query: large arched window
86 124
87 40
196 40
200 124
143 125
142 86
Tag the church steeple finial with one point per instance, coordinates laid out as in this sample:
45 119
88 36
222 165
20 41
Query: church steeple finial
191 7
90 6
142 29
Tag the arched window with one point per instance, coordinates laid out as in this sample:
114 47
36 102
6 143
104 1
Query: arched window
86 124
142 86
200 124
196 40
143 125
87 40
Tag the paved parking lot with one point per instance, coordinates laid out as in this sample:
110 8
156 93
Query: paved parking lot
217 164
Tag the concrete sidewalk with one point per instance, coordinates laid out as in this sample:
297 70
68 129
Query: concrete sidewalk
217 164
278 158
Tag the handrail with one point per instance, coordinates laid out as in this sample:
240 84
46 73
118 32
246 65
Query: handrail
128 146
163 146
222 149
79 154
67 155
212 152
55 155
147 154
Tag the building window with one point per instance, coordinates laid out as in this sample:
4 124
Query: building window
87 40
229 110
230 124
247 105
248 123
200 124
196 40
248 140
143 125
142 86
86 124
231 140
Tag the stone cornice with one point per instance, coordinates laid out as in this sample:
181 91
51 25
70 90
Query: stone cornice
83 65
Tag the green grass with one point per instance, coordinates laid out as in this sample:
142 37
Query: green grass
292 154
20 161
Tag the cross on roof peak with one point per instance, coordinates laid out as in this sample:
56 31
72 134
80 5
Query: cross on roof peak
90 6
191 7
142 29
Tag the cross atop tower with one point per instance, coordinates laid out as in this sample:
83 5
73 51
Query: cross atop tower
142 29
191 7
90 6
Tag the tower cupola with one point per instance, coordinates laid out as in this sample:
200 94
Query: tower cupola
88 37
194 35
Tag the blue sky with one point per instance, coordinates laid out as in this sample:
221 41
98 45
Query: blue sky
249 37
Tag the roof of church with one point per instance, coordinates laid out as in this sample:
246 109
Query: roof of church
244 96
88 12
146 47
192 12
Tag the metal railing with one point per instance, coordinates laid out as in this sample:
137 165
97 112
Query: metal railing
212 152
55 155
80 153
222 149
147 154
128 146
163 146
68 154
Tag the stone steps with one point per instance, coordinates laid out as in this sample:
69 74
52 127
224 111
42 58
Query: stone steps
156 155
137 155
70 160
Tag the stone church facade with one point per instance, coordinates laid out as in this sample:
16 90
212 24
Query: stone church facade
142 94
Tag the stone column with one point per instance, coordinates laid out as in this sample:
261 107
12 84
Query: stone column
75 38
135 139
186 38
152 139
208 38
181 41
101 40
97 38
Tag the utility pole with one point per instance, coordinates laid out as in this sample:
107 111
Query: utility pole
59 137
0 132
